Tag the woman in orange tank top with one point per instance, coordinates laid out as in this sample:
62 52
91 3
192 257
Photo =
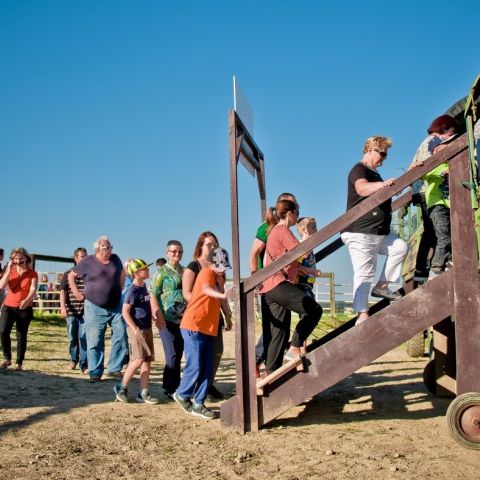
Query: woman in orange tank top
21 282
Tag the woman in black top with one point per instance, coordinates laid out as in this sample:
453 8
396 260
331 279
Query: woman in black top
370 235
206 242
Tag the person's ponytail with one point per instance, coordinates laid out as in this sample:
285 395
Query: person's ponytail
271 218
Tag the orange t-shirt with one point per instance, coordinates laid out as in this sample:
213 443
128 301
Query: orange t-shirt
19 286
280 240
203 312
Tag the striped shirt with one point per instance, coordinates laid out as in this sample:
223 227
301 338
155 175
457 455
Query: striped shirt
73 305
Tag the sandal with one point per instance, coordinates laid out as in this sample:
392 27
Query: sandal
5 364
18 367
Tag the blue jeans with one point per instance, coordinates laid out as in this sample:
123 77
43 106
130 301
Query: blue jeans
198 367
77 340
172 342
440 216
96 321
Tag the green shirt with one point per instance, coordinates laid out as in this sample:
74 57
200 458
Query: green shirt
167 287
262 235
437 191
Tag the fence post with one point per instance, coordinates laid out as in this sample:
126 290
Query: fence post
333 307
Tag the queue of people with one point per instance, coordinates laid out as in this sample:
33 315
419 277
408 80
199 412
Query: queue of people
94 296
189 305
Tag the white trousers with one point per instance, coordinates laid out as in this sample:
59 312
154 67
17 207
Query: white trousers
364 249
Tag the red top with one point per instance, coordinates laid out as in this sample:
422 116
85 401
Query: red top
19 286
203 312
280 240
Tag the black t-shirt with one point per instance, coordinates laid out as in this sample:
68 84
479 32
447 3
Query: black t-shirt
138 297
378 220
195 267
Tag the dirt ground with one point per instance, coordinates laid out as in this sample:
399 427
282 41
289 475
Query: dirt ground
379 423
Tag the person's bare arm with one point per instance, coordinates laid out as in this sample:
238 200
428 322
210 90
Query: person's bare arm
225 306
128 318
227 313
421 155
188 280
73 286
5 275
257 248
211 292
31 293
366 188
156 312
309 271
63 306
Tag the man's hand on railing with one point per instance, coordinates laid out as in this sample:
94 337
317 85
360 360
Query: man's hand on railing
418 163
388 183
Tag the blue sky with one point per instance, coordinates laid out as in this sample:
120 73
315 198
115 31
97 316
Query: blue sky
113 113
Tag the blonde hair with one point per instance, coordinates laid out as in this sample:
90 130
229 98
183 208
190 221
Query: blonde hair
375 142
303 223
19 251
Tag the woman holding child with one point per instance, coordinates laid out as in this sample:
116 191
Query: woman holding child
206 243
281 292
199 328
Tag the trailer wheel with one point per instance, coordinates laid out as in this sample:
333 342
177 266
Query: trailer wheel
416 346
429 378
463 419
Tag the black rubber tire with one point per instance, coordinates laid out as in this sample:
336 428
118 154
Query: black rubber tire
416 346
463 412
429 378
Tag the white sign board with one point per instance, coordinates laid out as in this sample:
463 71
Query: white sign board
242 107
244 111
